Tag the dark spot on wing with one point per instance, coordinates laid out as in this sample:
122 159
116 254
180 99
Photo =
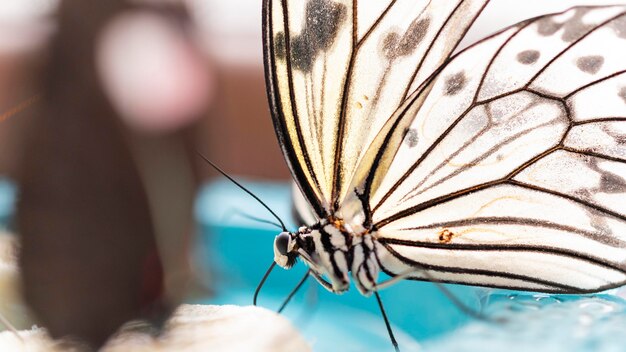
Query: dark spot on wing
323 19
583 193
279 46
619 26
547 27
413 36
620 139
389 44
528 57
600 224
622 93
612 183
573 29
455 83
395 46
302 54
410 137
590 64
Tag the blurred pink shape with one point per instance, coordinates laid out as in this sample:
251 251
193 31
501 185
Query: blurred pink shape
153 73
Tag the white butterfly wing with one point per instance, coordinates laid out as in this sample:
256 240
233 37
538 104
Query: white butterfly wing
337 69
508 169
303 214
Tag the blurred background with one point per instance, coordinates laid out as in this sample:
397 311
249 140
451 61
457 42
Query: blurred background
162 79
236 132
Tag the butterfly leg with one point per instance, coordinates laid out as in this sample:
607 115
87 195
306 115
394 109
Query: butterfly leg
327 285
395 279
382 310
294 291
451 296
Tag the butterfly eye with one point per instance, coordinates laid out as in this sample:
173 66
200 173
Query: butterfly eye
282 243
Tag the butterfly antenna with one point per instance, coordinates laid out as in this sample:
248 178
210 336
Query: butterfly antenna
294 291
250 217
282 224
258 288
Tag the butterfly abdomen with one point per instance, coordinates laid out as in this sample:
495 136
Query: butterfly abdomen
332 252
365 266
337 252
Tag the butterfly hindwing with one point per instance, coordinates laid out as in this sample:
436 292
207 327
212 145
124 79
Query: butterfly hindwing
511 169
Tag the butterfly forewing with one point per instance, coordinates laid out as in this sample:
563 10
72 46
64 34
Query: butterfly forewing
540 42
337 69
512 172
307 50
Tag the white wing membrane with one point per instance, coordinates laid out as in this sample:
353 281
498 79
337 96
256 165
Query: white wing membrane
599 137
302 212
587 178
483 147
584 102
512 170
583 64
337 69
553 272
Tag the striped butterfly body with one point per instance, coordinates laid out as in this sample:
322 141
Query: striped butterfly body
502 166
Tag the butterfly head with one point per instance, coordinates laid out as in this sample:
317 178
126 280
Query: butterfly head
285 251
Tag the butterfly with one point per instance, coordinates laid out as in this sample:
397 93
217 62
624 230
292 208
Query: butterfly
501 166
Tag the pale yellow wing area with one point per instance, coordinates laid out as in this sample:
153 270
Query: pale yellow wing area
307 46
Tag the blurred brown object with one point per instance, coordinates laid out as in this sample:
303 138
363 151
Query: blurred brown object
240 137
242 140
13 311
17 96
94 195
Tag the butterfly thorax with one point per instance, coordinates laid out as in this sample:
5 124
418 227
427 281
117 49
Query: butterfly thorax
333 251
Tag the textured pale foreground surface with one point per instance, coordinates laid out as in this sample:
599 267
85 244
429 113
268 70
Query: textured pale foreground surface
11 304
192 328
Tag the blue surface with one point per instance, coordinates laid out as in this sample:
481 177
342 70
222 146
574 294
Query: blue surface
239 250
7 199
543 323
